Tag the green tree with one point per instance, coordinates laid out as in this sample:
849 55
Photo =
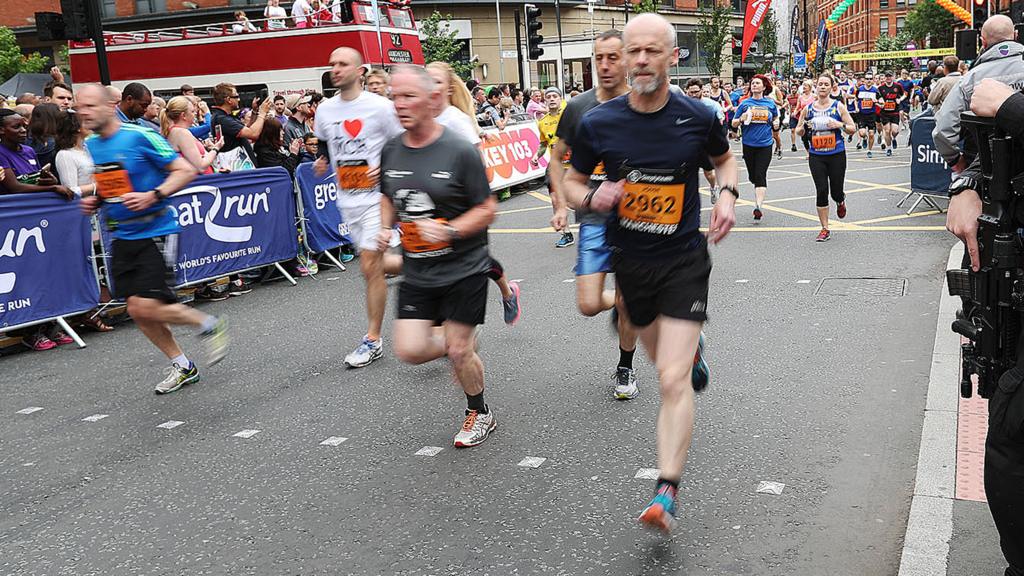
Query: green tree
642 6
830 56
891 44
931 22
440 45
714 27
768 39
12 61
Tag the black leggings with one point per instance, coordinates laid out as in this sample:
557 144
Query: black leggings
757 159
829 174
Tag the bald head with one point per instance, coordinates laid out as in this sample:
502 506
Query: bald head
346 70
349 54
998 28
650 23
94 107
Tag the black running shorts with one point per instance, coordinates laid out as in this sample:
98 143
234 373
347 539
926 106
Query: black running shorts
890 118
464 302
143 268
867 121
677 288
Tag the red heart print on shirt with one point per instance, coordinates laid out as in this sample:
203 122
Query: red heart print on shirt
353 127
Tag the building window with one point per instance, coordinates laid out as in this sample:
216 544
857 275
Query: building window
900 22
150 6
883 4
883 26
109 8
667 3
901 2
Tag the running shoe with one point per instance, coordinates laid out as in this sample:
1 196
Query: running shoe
888 152
60 338
758 214
869 153
215 342
565 241
210 293
841 210
475 428
39 342
347 257
883 145
367 352
824 235
778 152
792 148
660 513
858 146
701 373
239 287
176 378
511 305
893 143
626 385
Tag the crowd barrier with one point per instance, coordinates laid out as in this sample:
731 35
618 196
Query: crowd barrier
230 223
929 173
47 269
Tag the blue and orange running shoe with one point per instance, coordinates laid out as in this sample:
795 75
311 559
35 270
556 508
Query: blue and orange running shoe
701 373
661 511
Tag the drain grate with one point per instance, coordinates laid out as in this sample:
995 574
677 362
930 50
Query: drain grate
862 287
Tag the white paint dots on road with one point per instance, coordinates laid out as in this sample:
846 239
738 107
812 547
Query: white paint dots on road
769 487
742 281
170 424
29 410
647 474
429 451
531 462
95 418
333 441
246 433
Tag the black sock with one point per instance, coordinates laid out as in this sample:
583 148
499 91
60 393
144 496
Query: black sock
626 358
476 403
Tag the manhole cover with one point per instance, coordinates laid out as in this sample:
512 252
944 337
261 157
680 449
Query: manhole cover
862 287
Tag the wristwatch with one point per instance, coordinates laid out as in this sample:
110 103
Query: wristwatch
453 233
159 195
732 189
961 183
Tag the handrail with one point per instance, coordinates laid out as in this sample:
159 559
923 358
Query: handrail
218 29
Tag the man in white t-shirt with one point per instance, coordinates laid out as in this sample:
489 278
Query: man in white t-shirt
301 12
355 125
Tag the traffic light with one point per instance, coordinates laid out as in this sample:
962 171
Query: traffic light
50 27
533 37
980 13
76 19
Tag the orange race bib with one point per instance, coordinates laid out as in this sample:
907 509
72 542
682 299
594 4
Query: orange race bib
414 243
889 106
652 203
112 181
760 115
823 141
598 175
354 175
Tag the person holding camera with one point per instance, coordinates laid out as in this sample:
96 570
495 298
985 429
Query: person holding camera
1000 58
1004 446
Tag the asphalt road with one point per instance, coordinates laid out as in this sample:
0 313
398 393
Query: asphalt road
817 382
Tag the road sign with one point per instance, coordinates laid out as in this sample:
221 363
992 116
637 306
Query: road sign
508 53
800 61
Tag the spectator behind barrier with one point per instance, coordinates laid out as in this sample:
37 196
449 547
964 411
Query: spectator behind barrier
941 86
73 164
270 151
41 132
296 125
237 136
377 81
536 108
175 122
59 94
242 25
280 111
135 99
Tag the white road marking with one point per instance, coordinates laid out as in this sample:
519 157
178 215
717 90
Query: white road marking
803 281
246 433
27 464
743 281
516 280
569 281
95 418
429 451
531 462
170 424
333 441
647 473
29 410
769 487
332 278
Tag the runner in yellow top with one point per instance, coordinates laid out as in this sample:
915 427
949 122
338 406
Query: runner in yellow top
547 125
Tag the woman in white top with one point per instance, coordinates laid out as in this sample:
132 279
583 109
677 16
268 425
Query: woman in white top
301 12
242 23
275 15
73 163
457 116
175 121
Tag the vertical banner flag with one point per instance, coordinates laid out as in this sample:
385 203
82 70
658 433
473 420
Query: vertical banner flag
324 226
45 266
822 45
794 20
756 12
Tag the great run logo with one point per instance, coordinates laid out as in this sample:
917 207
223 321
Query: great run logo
223 209
14 245
326 190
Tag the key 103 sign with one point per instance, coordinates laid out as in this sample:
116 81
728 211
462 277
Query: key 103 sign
507 154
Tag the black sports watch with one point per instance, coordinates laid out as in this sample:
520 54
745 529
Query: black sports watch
732 189
961 183
159 195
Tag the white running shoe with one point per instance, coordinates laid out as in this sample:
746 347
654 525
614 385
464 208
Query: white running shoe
626 385
475 428
367 352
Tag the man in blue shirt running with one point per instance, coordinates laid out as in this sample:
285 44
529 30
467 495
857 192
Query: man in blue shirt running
136 172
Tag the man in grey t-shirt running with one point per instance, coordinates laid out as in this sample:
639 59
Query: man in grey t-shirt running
435 183
592 263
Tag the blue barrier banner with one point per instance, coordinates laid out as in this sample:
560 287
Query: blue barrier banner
929 173
45 266
324 226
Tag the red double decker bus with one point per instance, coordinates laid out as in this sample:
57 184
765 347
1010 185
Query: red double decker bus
281 60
